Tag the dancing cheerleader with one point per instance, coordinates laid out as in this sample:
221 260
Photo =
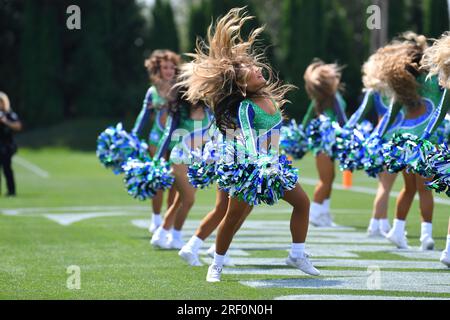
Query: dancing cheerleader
322 83
419 99
376 98
162 67
191 122
227 74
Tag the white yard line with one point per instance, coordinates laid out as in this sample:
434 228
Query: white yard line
32 167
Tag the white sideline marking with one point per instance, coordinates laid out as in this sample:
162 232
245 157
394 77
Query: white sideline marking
67 219
343 263
434 282
32 167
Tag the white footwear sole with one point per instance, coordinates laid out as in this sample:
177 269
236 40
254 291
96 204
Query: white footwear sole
427 245
445 259
311 272
159 244
152 228
399 244
374 234
212 278
190 257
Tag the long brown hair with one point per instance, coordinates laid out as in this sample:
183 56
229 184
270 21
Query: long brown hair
401 65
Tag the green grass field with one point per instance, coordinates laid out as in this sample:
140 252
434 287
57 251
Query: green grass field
117 262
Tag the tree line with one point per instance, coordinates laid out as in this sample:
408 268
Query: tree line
53 74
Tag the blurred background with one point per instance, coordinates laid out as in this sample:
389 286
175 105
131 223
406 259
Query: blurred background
68 85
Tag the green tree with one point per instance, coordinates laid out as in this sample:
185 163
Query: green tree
436 20
398 23
11 21
198 22
163 32
42 64
301 41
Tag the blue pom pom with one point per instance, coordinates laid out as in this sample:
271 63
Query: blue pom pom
143 179
407 151
321 133
440 163
293 140
202 171
115 146
373 159
350 149
262 180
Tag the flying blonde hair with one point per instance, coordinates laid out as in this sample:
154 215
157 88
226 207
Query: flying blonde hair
374 75
220 67
6 103
437 60
322 82
400 65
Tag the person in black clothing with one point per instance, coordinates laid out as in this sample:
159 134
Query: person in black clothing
9 123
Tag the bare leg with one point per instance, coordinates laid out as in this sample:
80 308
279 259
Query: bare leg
213 218
325 167
426 199
406 196
184 202
237 210
381 203
298 199
157 200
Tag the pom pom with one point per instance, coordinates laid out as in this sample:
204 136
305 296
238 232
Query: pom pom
350 149
263 180
115 146
373 159
143 179
321 134
293 140
440 162
203 169
407 151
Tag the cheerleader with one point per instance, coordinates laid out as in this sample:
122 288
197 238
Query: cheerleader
376 98
419 99
191 122
227 74
162 67
322 83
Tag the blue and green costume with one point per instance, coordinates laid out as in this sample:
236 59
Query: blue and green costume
153 106
251 168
